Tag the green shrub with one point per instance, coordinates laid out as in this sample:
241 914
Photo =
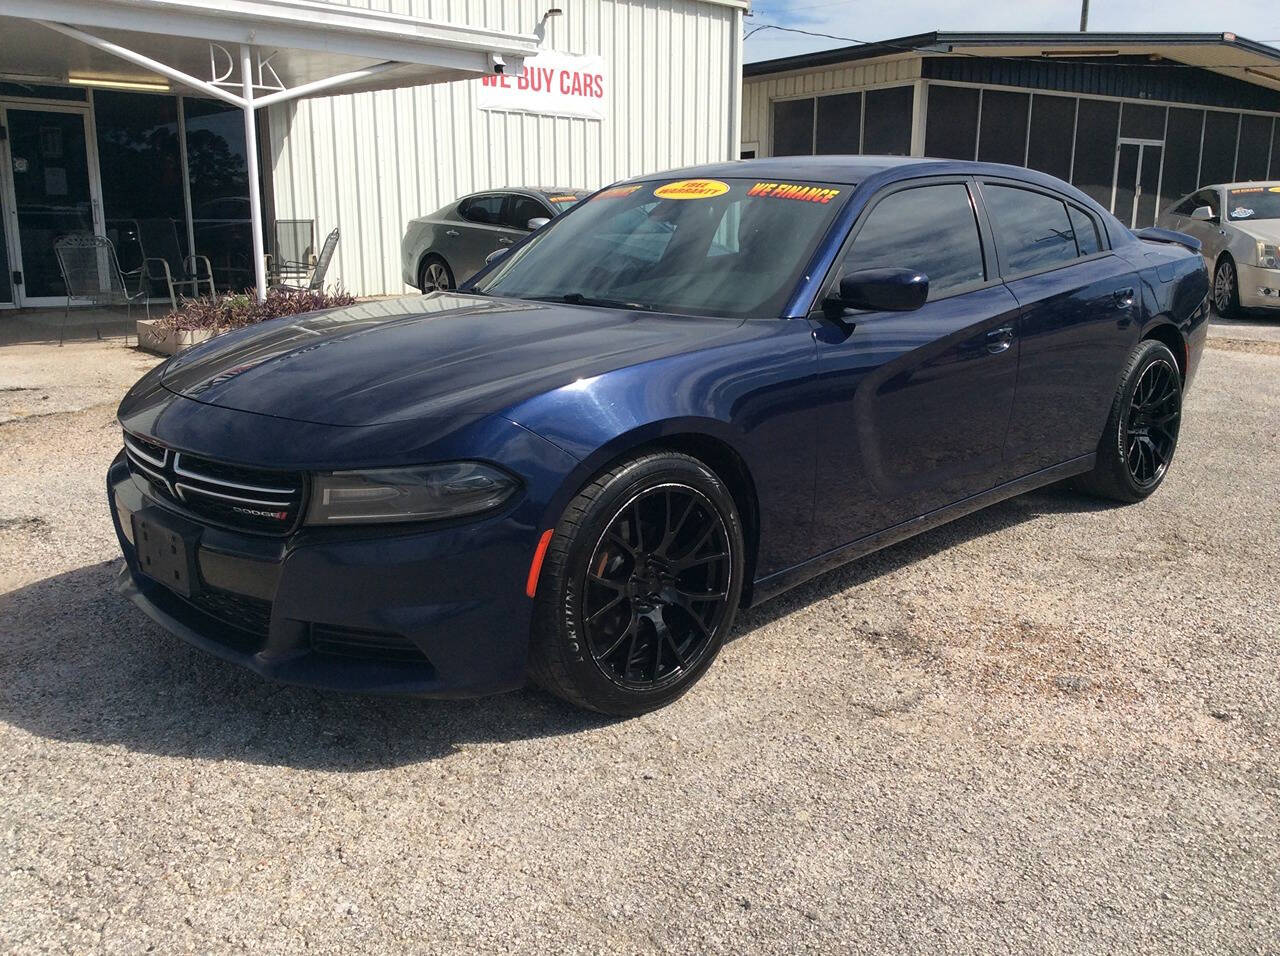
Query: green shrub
217 313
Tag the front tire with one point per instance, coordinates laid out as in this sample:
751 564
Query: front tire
1226 288
639 587
1142 430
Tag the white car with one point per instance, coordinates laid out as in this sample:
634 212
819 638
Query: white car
1238 225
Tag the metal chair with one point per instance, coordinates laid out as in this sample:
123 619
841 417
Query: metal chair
166 266
91 271
295 250
316 282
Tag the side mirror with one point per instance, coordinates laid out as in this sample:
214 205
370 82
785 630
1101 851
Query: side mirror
496 254
1204 214
537 223
880 290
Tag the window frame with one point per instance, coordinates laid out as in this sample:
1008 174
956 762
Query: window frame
836 270
1104 239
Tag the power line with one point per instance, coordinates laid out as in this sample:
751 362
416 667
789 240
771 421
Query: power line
983 56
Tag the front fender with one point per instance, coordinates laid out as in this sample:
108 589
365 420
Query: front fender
753 395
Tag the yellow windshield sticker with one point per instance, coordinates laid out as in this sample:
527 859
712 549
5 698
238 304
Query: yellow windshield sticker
692 189
616 192
819 194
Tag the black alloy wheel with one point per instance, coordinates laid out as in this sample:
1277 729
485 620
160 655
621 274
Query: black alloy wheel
657 586
1151 432
639 586
1141 434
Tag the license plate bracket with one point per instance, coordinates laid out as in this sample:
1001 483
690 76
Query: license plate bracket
166 552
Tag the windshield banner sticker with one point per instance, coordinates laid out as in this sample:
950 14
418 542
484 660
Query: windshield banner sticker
692 189
817 194
1241 212
617 192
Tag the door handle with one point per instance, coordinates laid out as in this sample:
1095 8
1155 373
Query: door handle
504 241
452 233
1123 298
999 339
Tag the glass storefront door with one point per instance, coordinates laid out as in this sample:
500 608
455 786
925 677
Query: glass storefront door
50 193
1137 181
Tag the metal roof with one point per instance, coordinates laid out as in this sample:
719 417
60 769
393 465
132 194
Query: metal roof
1226 53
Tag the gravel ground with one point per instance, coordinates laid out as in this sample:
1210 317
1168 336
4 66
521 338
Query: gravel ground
1048 727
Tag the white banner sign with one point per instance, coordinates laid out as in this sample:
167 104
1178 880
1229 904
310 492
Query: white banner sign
558 84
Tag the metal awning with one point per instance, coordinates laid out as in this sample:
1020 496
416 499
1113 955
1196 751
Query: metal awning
250 53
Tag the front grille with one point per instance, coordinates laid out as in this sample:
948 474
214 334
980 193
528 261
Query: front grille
252 499
369 645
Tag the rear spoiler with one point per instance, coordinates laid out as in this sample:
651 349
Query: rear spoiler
1152 234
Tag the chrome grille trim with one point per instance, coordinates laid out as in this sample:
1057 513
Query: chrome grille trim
131 445
183 488
223 482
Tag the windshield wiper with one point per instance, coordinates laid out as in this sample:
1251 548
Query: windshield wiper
577 298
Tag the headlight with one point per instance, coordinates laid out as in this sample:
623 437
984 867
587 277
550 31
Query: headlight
451 490
1268 255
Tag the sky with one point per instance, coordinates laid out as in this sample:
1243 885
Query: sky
883 19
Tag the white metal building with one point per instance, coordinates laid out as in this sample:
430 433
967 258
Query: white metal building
179 127
370 162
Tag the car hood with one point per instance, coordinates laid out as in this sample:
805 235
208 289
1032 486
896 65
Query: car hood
422 356
1268 230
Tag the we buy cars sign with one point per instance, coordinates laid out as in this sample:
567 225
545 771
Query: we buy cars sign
558 84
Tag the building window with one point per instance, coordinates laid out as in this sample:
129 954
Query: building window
839 127
1002 137
793 127
1218 164
1142 121
1097 123
1181 153
951 122
886 126
1255 144
1053 130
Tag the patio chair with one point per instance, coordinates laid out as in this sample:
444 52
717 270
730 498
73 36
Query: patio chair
166 267
316 282
295 251
91 271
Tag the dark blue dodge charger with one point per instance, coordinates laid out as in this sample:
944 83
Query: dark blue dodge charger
688 393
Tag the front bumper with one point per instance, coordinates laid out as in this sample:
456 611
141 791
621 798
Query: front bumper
438 613
1258 288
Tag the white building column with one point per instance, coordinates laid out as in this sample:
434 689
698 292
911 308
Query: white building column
251 162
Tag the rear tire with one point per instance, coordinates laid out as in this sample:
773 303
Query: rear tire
434 275
1141 436
639 586
1226 288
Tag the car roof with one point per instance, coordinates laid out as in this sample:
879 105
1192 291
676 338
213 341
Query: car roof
539 190
1253 184
832 169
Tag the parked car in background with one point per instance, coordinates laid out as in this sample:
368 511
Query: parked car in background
692 391
1238 225
449 246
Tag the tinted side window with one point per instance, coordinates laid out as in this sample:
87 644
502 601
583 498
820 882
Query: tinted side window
487 209
929 228
523 208
1086 230
1187 206
1032 229
1208 197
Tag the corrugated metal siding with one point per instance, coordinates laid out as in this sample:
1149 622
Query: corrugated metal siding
369 162
758 94
1129 77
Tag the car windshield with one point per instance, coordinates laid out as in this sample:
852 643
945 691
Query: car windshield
1253 202
732 247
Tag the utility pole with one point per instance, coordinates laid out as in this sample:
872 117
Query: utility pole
1084 15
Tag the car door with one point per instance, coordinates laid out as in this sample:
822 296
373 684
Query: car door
478 234
1210 233
915 404
1079 303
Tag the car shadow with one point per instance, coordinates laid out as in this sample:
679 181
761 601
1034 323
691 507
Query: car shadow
79 663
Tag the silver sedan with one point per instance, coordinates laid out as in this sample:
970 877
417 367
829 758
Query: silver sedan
450 245
1238 225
